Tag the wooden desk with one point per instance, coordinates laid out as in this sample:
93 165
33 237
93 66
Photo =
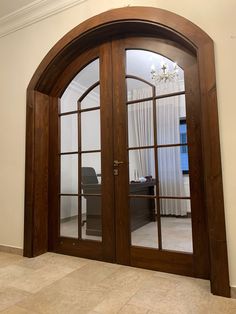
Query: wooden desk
142 209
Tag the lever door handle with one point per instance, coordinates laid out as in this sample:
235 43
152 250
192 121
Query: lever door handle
117 163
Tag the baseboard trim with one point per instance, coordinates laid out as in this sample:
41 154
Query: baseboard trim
11 249
233 292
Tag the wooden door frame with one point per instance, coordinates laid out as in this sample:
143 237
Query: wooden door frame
163 259
44 88
83 247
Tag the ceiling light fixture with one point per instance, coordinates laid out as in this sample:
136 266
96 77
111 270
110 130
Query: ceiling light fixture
163 74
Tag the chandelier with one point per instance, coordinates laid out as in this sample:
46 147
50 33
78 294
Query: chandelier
163 74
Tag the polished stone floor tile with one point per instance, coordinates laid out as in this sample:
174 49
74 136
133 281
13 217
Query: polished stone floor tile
36 280
126 278
113 302
11 296
89 276
56 300
52 259
11 273
220 305
132 309
17 310
54 283
8 258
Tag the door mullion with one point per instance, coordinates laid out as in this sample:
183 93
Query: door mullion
79 172
120 154
106 101
154 104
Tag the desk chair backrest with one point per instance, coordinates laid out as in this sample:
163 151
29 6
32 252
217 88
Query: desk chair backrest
88 176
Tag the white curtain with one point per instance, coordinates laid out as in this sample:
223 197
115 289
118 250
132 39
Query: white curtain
169 111
140 120
171 180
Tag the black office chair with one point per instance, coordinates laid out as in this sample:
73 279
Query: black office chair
90 185
88 176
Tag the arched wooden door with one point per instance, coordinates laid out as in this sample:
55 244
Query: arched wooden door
111 232
120 192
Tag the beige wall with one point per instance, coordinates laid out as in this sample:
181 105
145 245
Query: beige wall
22 51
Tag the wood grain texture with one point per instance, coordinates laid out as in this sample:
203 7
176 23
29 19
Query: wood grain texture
199 265
166 261
213 173
29 177
132 19
196 173
36 189
85 248
54 174
153 22
120 153
41 173
107 158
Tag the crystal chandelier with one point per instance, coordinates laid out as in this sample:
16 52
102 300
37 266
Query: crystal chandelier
163 74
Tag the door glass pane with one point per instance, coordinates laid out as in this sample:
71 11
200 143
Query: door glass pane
92 99
81 82
144 231
69 133
69 174
85 82
137 89
141 167
176 225
90 130
170 117
91 218
69 216
140 124
158 70
91 173
173 179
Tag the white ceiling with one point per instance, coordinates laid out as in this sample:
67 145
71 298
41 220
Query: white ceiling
9 6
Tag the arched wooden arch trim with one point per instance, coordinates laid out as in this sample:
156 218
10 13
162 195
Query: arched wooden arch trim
43 89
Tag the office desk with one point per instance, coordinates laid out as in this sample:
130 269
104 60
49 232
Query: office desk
142 209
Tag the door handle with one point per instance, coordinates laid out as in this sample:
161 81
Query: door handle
117 163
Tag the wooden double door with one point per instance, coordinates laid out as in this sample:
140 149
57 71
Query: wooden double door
125 152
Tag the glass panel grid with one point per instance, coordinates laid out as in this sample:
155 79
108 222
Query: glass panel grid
88 76
90 130
168 106
69 133
172 181
140 63
143 224
140 124
80 151
141 165
69 216
169 113
137 90
91 218
92 100
69 174
176 225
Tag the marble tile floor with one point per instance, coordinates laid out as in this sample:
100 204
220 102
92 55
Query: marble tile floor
54 283
176 233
